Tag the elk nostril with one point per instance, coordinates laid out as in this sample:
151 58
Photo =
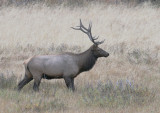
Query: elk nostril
107 55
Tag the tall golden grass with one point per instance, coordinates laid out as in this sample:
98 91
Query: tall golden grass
132 39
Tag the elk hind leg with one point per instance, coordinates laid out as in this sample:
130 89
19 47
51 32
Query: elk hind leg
25 81
37 83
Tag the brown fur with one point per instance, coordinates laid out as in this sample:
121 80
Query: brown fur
66 65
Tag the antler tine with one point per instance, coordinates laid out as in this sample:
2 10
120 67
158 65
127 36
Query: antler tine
96 38
75 28
90 26
88 32
90 37
82 26
79 28
98 43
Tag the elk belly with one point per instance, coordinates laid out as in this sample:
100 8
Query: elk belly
51 77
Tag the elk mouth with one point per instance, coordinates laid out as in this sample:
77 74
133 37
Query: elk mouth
106 54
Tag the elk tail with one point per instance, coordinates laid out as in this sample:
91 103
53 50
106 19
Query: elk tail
27 70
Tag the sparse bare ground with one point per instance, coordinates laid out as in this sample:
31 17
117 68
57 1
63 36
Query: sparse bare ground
127 81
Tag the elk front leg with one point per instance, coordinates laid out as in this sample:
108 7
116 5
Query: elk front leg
69 83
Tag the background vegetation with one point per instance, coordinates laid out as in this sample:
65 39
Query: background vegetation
76 2
127 81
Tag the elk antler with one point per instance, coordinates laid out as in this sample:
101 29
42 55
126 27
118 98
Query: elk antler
88 32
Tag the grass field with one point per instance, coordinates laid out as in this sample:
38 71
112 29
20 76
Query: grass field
128 81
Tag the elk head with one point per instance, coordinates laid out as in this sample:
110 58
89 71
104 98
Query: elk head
96 51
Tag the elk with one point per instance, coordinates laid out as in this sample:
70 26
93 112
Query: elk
66 65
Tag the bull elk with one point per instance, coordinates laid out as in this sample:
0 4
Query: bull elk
66 65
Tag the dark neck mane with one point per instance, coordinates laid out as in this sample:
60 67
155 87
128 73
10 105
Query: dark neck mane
86 60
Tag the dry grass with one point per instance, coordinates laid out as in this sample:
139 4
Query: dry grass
132 39
75 3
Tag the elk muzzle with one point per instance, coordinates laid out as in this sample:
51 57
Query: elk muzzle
105 54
